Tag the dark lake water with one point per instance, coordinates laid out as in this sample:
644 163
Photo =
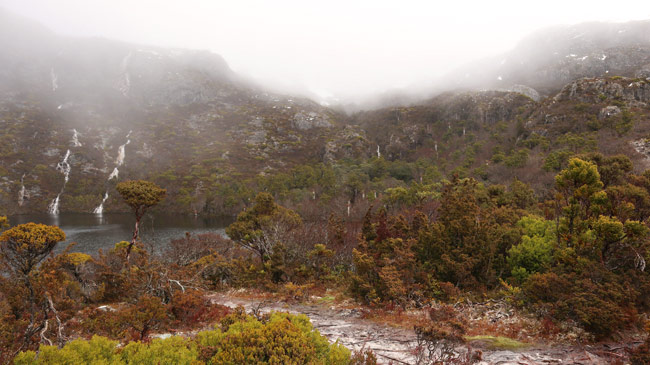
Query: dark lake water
92 232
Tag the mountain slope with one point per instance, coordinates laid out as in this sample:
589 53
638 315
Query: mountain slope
79 115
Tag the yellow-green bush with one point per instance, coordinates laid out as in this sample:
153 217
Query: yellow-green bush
98 350
280 338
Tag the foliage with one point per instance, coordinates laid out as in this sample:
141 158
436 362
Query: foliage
439 339
535 252
280 338
140 195
263 226
24 246
98 350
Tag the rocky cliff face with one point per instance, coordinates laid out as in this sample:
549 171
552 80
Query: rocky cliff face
594 90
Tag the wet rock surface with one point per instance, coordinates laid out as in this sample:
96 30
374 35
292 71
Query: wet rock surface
342 325
394 345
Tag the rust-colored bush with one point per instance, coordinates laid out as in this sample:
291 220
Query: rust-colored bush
191 307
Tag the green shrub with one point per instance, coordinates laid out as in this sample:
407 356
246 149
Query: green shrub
535 252
279 338
98 350
172 350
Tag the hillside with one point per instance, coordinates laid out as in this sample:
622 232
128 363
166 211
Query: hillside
145 111
79 115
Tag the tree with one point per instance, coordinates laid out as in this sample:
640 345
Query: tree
140 195
22 248
263 226
580 192
535 252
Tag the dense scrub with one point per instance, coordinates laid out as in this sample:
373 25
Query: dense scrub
577 255
580 256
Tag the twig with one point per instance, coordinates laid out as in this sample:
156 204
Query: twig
178 283
60 338
391 358
43 338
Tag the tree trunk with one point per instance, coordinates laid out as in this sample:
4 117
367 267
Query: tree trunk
136 232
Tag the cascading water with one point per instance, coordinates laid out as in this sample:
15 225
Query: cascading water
21 192
65 168
54 205
114 174
119 161
75 138
100 208
121 153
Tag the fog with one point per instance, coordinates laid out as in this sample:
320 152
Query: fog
331 48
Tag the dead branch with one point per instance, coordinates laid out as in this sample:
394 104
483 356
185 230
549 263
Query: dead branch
60 337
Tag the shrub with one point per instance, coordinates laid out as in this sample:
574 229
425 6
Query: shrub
438 340
172 350
280 339
191 307
535 252
98 350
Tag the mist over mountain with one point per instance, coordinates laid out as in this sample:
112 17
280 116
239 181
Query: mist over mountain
540 64
550 58
80 114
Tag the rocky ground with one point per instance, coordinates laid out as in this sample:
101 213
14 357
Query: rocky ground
397 345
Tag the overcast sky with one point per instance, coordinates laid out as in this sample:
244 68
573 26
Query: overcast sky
334 47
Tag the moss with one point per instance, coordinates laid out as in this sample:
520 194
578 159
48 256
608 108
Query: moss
498 342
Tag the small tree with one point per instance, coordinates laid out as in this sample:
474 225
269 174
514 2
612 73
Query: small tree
22 248
140 195
263 226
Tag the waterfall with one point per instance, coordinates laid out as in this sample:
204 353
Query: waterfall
54 205
21 192
378 153
119 161
114 174
100 208
64 167
75 138
121 154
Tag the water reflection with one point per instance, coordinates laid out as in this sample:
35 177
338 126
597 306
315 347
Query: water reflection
92 232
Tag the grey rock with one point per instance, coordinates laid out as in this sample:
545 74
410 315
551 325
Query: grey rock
608 112
304 121
526 90
596 90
